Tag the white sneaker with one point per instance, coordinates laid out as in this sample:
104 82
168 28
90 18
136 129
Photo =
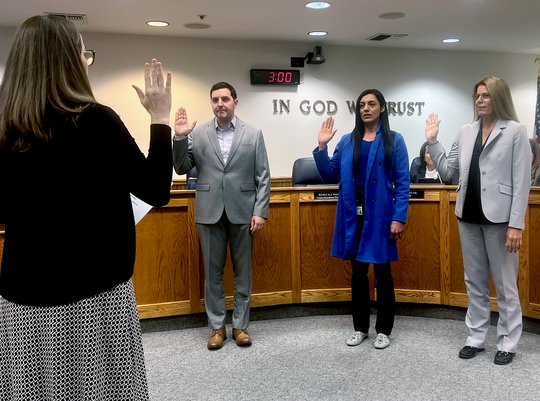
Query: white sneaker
382 341
356 338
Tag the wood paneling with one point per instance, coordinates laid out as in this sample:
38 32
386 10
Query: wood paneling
419 250
533 282
276 182
318 269
291 255
162 267
271 264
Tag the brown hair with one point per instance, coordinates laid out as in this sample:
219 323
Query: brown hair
224 85
44 76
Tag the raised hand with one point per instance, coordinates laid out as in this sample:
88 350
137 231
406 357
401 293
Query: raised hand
156 98
327 132
181 125
432 128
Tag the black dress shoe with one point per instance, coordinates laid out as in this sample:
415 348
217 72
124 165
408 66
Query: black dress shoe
503 357
468 352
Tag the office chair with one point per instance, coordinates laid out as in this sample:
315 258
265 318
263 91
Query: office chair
304 172
416 170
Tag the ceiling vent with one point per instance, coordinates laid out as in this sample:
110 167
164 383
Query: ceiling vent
379 37
78 19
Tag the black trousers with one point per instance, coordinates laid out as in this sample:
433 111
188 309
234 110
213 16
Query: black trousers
386 298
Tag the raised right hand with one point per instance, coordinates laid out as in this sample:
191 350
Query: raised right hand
432 128
181 125
156 98
327 132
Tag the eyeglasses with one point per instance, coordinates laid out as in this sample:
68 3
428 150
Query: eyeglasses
484 96
90 56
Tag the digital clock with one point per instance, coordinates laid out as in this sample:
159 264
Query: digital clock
275 77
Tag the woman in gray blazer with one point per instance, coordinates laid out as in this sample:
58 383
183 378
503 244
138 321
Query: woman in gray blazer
493 159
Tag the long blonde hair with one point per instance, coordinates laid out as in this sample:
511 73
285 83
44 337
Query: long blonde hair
501 98
44 76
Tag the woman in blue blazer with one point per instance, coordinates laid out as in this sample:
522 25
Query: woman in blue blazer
372 166
492 157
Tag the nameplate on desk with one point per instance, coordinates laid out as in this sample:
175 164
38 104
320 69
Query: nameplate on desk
325 195
416 194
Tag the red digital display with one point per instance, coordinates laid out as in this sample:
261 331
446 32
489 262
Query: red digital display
275 77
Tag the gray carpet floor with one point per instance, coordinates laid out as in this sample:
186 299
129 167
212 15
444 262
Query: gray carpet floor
306 358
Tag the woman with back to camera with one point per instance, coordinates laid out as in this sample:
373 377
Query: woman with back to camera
372 166
69 327
493 158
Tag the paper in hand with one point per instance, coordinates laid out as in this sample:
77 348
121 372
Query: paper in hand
140 208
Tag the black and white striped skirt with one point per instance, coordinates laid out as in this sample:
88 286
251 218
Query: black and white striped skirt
86 350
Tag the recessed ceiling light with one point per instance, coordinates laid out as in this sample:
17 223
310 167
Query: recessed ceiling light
318 33
451 40
157 23
197 25
392 15
318 5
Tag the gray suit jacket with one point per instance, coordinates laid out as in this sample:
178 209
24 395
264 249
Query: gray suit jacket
241 187
505 170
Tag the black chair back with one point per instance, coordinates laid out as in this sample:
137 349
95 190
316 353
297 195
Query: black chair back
416 170
304 172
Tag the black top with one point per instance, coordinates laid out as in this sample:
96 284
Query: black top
360 169
69 227
472 208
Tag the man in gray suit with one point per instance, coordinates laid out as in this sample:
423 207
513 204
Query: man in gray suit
232 201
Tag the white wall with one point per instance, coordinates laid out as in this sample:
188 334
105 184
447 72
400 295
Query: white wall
442 80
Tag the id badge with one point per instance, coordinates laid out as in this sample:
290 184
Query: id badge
359 210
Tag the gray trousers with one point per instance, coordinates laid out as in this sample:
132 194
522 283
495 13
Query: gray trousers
214 239
484 251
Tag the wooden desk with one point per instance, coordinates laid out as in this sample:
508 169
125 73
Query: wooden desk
291 262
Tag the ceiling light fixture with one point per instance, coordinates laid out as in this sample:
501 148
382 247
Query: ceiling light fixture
198 25
317 33
318 5
451 40
157 23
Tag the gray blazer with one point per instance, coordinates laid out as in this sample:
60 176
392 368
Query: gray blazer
241 187
505 170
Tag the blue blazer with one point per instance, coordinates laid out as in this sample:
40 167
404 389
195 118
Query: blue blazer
386 199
